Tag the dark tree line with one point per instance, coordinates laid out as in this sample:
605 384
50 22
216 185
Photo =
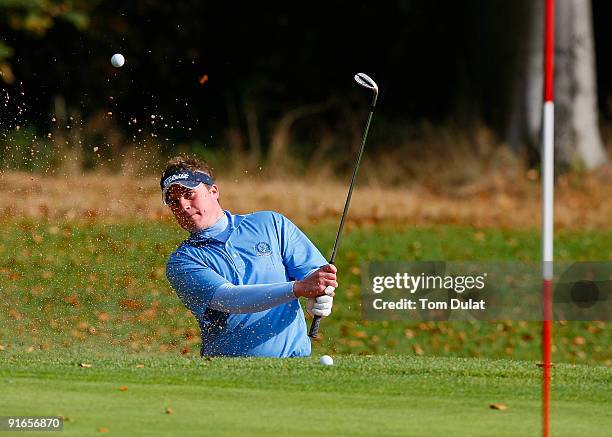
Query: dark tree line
272 68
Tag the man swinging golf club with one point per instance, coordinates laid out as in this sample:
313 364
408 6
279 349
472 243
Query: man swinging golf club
241 275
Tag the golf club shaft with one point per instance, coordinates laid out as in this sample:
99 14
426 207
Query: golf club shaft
347 203
316 321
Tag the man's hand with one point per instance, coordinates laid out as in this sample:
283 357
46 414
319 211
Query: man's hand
314 285
321 306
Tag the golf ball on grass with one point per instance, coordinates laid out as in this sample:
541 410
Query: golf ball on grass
326 360
117 60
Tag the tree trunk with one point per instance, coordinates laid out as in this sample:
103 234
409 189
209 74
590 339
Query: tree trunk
577 136
535 74
588 139
67 138
279 159
234 135
254 135
525 117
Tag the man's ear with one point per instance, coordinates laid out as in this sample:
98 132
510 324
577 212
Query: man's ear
214 190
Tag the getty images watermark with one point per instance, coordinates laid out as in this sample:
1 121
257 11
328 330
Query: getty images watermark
484 291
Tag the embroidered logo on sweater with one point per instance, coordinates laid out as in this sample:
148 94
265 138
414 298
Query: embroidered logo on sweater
263 249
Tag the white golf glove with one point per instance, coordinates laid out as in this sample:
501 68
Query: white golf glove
321 306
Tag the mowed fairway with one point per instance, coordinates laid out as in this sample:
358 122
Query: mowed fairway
379 395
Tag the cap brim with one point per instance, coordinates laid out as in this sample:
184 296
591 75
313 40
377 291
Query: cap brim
184 183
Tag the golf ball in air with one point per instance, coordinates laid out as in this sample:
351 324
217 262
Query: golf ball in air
326 360
117 60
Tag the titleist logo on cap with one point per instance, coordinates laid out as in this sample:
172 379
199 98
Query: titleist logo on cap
175 177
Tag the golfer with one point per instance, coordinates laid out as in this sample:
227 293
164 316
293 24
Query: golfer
241 275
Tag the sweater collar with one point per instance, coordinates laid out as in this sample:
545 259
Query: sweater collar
219 231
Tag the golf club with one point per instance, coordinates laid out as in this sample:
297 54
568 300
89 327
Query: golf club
365 81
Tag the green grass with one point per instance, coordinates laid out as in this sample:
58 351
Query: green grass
93 293
103 285
377 395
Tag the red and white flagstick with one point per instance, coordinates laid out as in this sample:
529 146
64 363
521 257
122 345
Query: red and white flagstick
548 148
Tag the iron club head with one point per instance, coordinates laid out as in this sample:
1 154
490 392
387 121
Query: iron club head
367 82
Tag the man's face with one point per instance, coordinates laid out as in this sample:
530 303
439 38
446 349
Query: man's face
195 209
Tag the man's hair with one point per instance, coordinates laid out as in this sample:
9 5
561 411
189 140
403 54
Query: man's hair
190 163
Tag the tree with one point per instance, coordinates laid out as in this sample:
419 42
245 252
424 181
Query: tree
36 18
577 136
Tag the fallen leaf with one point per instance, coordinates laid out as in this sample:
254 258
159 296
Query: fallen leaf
140 366
190 333
158 273
72 300
130 304
123 388
86 365
169 410
103 429
14 276
498 407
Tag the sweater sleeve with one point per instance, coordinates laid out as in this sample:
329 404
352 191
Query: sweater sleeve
200 287
251 298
